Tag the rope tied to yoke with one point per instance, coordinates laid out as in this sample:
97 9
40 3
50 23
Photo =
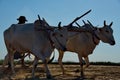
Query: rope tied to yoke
40 25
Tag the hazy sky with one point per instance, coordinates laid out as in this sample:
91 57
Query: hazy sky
65 10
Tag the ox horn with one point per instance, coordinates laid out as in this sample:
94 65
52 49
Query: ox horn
80 17
104 23
45 21
111 24
39 17
59 25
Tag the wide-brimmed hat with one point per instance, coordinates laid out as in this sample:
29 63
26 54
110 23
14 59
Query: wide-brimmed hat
22 18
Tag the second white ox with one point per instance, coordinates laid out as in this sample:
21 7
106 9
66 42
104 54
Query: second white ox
85 42
40 42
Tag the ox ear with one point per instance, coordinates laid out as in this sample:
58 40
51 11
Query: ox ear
53 34
111 24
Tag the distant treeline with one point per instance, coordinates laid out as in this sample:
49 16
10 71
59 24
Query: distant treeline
92 63
69 63
105 63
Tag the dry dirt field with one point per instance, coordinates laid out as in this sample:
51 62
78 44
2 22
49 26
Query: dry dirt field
93 72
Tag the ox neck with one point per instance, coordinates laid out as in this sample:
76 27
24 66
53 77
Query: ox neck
48 31
49 37
96 39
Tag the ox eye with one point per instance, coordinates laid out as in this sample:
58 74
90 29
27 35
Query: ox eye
61 35
100 29
53 34
107 31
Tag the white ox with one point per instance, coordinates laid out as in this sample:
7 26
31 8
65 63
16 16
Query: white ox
85 42
24 38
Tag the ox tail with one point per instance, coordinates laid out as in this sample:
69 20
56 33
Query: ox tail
51 60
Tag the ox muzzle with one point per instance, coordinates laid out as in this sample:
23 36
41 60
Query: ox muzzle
112 42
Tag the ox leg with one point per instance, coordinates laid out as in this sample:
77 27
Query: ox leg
81 64
61 53
5 60
47 70
12 62
34 66
87 62
22 61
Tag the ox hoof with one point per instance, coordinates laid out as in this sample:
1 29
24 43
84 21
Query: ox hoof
49 77
24 66
80 78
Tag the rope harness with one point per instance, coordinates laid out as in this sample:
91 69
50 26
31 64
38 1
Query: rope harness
42 25
76 29
95 36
